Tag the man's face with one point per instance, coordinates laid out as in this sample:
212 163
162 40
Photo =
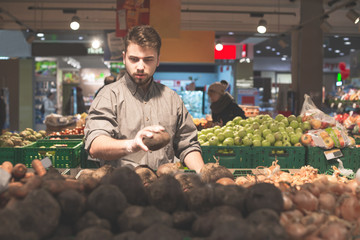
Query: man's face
140 63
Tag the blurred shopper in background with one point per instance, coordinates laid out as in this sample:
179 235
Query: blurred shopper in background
48 104
223 106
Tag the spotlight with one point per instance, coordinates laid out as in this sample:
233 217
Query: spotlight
353 16
95 44
262 26
219 46
75 23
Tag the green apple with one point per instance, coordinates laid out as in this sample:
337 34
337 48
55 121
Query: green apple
237 120
292 117
230 123
282 129
255 125
206 144
285 138
209 135
278 144
262 127
213 141
202 137
294 139
305 126
289 129
299 130
228 133
257 137
279 117
265 143
237 141
242 133
250 135
278 136
260 118
237 127
266 132
217 131
274 127
216 127
228 142
231 128
246 141
294 124
257 132
221 137
286 144
298 134
256 143
285 121
243 122
270 138
201 141
281 124
299 118
249 130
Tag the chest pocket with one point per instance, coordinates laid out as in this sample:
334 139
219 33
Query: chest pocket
170 124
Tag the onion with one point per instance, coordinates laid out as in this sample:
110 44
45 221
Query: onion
290 216
350 208
226 181
288 204
335 231
338 188
327 201
299 231
353 185
314 218
305 200
313 188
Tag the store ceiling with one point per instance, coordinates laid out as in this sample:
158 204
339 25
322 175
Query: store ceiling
282 17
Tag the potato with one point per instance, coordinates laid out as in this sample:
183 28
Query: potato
157 141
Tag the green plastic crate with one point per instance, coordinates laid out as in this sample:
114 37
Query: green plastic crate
230 157
61 157
10 153
288 157
317 159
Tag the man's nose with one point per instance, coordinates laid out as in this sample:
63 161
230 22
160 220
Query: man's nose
141 65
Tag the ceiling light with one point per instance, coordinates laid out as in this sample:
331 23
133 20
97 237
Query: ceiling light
81 37
261 26
75 23
346 39
277 53
231 33
337 51
347 43
353 16
258 51
268 47
95 44
40 34
330 49
219 46
352 50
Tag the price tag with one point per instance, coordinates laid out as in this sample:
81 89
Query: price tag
46 162
340 105
4 179
334 153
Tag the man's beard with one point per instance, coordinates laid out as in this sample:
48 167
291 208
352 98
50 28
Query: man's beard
140 82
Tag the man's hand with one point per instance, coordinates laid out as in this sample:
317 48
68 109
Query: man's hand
137 143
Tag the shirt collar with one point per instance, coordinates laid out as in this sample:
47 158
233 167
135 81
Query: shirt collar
132 86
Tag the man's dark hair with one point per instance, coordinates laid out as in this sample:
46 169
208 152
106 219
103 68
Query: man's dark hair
144 36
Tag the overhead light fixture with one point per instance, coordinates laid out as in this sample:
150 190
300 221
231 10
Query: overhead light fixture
75 23
40 34
95 43
219 46
353 16
261 26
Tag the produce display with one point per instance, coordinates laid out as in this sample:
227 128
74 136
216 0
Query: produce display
23 138
74 131
120 203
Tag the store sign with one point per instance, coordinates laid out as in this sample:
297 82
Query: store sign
95 51
228 52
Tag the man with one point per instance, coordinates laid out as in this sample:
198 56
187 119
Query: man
135 106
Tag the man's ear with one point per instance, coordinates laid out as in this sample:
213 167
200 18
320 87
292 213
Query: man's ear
158 61
123 53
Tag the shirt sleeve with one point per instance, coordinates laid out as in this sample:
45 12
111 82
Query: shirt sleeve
186 134
101 119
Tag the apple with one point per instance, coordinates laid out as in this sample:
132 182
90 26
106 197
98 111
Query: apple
286 144
329 143
265 143
249 135
305 126
262 127
292 117
352 141
324 134
299 118
279 117
286 138
249 130
255 125
315 123
216 127
281 124
246 141
206 144
278 136
298 130
257 137
242 133
306 139
270 138
274 127
202 137
217 131
221 137
201 142
324 125
260 118
237 128
278 144
266 132
298 134
209 135
294 124
237 120
237 141
282 129
256 143
243 122
231 128
257 132
213 141
289 130
294 139
230 123
298 145
285 121
228 133
341 141
228 142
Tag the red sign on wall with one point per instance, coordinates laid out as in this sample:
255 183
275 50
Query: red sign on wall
228 52
130 13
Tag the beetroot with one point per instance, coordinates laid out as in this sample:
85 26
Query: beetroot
160 232
72 205
94 233
200 199
232 195
183 219
90 219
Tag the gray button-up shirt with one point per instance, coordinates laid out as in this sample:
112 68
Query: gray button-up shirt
121 109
